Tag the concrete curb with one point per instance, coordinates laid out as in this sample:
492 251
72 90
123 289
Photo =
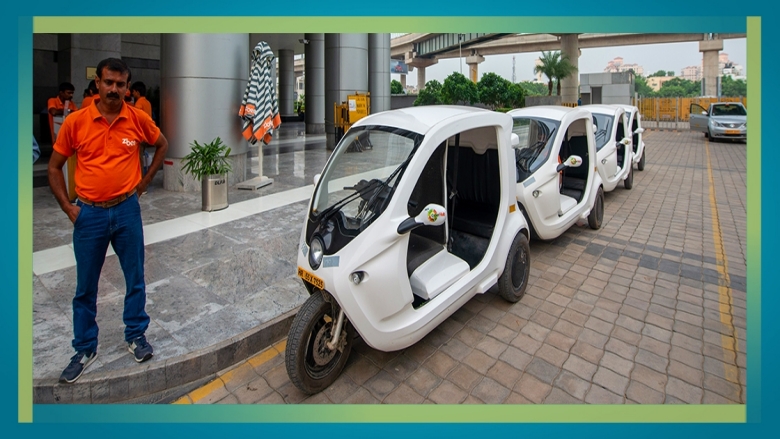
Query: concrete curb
154 382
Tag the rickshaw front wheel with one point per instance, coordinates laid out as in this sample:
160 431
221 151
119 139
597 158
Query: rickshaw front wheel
310 364
514 279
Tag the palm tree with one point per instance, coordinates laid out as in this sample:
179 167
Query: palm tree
548 61
556 67
562 70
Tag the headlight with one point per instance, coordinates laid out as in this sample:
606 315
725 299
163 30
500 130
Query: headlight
316 251
717 124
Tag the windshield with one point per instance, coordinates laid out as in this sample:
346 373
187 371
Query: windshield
362 173
728 110
536 141
603 129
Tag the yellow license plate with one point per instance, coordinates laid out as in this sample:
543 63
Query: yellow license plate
310 278
732 131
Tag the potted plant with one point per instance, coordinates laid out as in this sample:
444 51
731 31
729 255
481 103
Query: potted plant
208 162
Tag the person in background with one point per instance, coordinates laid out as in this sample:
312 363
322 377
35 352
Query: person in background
61 105
138 91
91 93
107 211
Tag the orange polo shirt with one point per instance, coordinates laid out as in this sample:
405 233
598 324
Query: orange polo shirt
143 104
85 103
56 103
108 155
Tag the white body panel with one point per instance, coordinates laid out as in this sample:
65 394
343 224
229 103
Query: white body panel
634 118
613 170
380 307
550 212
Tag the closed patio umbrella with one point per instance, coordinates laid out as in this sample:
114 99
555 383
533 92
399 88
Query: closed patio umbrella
260 106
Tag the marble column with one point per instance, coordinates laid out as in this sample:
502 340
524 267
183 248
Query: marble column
286 82
314 94
379 71
346 72
203 78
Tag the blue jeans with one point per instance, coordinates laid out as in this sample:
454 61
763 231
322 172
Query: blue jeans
94 229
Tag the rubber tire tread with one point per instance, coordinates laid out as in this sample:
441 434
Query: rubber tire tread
505 288
298 337
593 222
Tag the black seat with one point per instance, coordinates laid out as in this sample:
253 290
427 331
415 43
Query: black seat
478 192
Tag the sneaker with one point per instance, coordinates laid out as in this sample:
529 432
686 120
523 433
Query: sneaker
78 363
140 349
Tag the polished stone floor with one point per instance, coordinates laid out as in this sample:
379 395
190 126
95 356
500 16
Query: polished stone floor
210 276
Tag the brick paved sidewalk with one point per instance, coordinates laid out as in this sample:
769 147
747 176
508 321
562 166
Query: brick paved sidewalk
651 308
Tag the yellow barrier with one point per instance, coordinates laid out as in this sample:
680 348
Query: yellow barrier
676 109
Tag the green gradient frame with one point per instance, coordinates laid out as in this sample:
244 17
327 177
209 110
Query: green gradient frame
27 412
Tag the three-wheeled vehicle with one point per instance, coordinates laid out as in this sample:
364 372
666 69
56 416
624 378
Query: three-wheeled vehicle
635 124
613 147
557 182
400 235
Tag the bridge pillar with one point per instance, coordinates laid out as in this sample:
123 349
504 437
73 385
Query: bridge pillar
473 62
570 47
413 61
710 50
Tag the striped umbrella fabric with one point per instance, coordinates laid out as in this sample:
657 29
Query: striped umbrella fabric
260 106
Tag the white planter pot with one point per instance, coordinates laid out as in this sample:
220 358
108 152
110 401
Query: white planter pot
215 192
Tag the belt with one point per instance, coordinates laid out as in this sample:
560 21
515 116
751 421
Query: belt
110 203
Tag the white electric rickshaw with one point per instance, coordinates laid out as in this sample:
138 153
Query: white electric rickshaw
613 146
635 124
413 214
557 182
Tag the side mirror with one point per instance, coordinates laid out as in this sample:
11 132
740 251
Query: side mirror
514 140
573 161
595 128
431 215
639 131
316 179
704 113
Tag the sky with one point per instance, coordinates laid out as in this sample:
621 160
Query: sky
652 57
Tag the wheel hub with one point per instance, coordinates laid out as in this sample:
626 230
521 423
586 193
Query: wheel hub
321 354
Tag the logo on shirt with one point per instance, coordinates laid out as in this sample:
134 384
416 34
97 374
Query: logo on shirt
128 142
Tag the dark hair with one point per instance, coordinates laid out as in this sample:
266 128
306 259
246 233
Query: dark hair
115 65
140 87
67 86
92 87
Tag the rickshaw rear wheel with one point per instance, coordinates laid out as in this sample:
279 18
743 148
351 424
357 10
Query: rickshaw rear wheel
641 165
629 181
310 364
514 279
597 212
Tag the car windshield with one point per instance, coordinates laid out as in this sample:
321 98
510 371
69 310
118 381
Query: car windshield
728 110
362 173
536 141
603 129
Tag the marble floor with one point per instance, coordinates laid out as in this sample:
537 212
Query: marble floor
210 276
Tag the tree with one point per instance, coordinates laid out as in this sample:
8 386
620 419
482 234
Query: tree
533 88
430 95
680 88
396 88
563 70
641 87
670 73
493 90
459 89
732 87
546 67
658 73
515 96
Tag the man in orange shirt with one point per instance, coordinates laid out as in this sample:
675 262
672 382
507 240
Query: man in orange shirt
57 105
138 90
106 137
91 92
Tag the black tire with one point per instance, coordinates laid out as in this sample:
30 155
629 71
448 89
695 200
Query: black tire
628 183
597 213
641 165
707 133
514 279
312 326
